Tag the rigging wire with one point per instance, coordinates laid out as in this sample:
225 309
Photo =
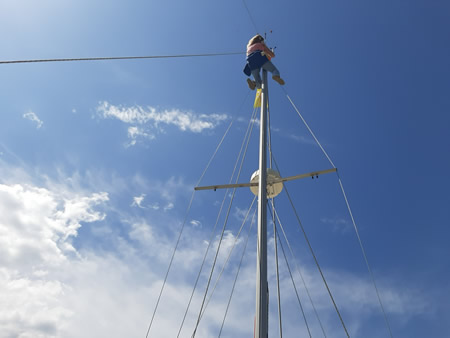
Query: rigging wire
269 132
310 130
251 123
223 231
293 283
228 258
351 216
318 266
215 226
269 128
300 272
314 256
250 16
277 268
119 58
365 258
226 261
214 262
182 228
190 203
203 262
239 268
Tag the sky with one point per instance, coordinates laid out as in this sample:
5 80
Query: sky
98 161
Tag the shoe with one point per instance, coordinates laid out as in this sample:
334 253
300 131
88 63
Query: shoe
278 79
251 84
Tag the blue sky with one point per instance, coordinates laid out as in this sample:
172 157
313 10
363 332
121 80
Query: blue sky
98 161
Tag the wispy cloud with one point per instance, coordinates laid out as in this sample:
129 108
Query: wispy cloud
295 137
49 285
169 206
167 191
302 139
150 118
338 224
195 223
33 117
137 201
240 214
136 133
154 206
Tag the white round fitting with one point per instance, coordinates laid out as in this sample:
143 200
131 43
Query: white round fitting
273 189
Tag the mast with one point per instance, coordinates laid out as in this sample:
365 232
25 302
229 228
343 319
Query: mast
262 290
269 183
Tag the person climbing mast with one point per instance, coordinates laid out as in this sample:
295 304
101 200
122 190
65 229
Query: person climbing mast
258 56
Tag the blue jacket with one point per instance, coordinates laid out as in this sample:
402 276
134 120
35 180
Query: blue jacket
255 61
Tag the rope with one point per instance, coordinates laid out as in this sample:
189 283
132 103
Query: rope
352 218
300 272
223 231
295 288
120 58
237 273
182 229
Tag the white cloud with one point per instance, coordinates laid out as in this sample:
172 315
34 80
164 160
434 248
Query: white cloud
136 133
150 118
166 192
36 224
51 288
161 195
33 117
31 306
169 206
154 206
137 201
242 214
195 223
142 232
36 230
